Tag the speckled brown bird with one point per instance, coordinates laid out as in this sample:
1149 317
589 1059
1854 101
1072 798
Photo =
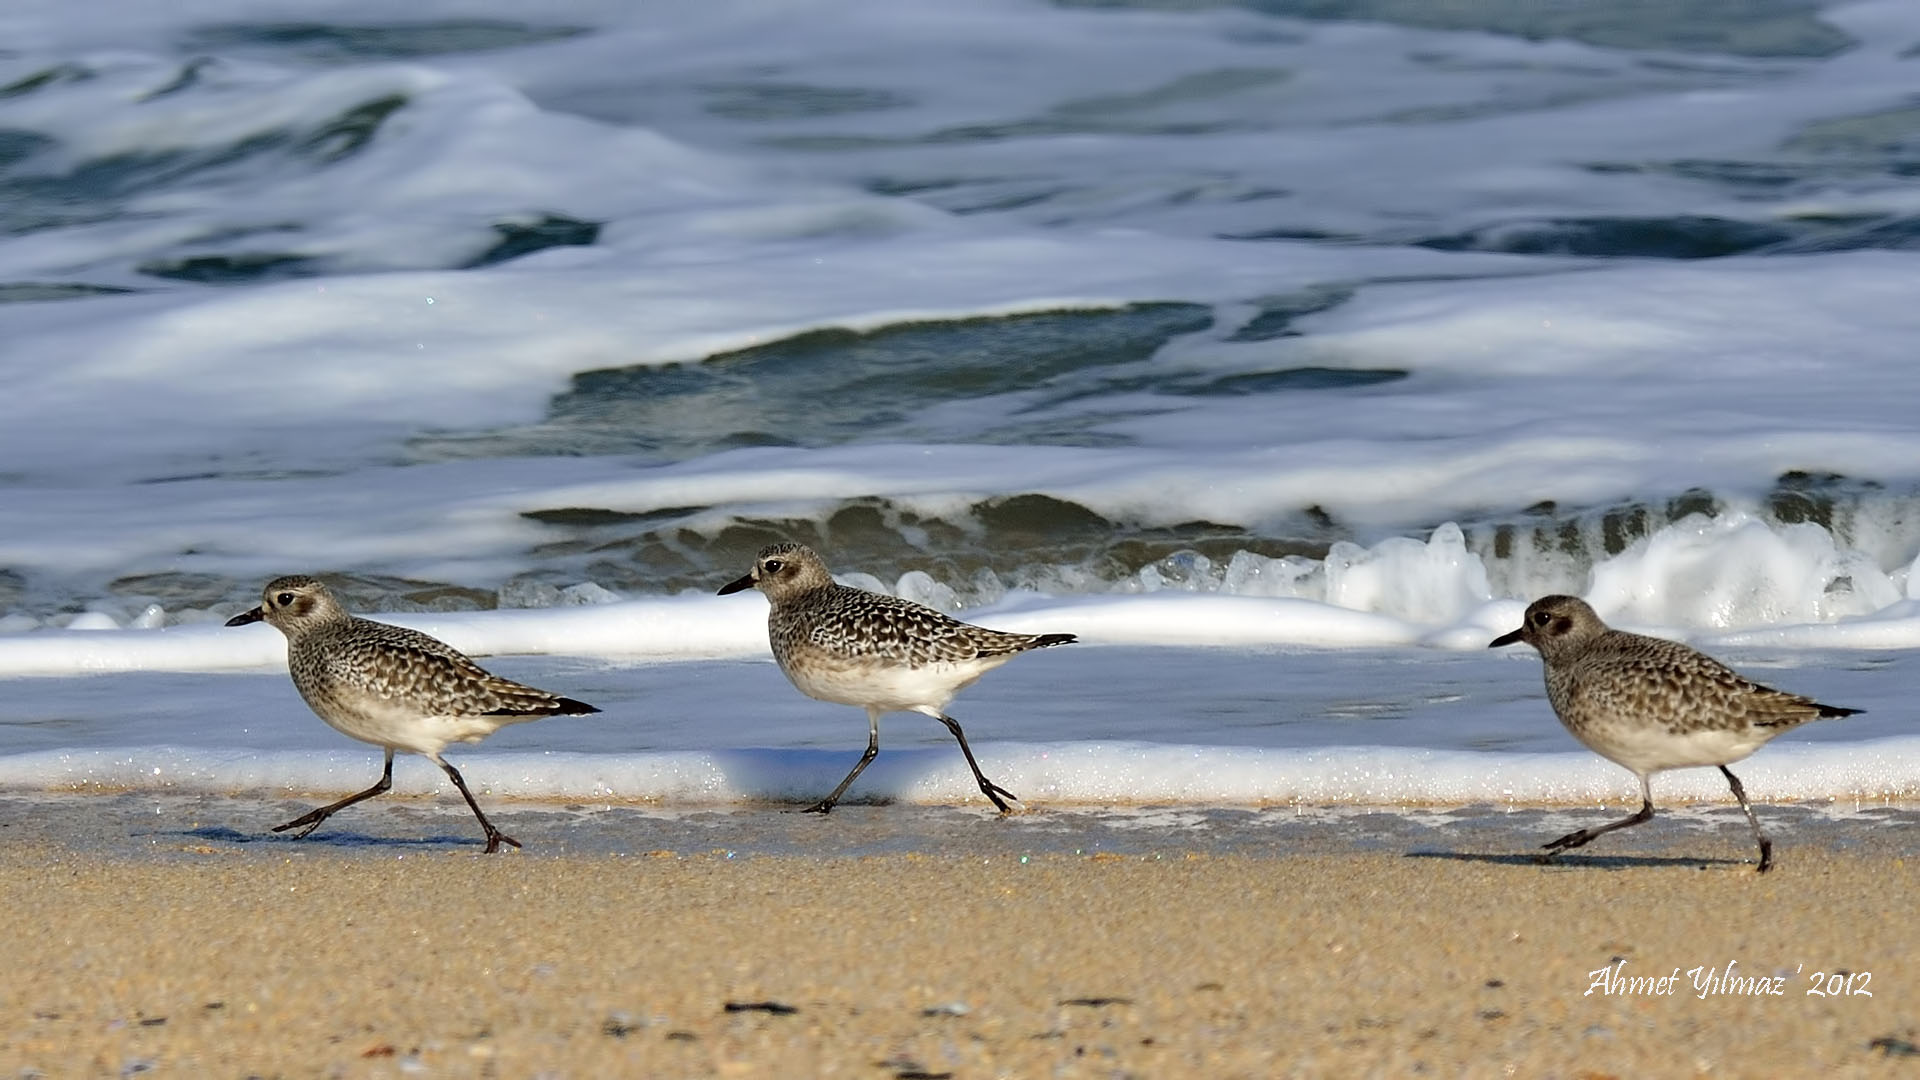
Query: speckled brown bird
395 688
1652 705
882 653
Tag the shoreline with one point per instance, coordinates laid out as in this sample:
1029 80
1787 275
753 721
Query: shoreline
150 824
363 961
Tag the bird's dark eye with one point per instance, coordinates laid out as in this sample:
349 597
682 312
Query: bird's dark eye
1542 618
773 566
283 599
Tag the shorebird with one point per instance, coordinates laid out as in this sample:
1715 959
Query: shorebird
395 688
882 653
1651 705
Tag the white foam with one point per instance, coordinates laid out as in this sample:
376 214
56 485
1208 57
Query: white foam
1043 774
1061 157
381 357
1535 385
1087 723
676 628
1732 580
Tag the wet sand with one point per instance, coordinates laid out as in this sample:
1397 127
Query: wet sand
200 956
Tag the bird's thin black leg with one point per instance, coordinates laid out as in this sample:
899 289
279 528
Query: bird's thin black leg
1766 845
1582 837
873 751
311 820
494 836
987 787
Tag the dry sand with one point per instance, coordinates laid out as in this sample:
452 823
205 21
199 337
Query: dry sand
216 961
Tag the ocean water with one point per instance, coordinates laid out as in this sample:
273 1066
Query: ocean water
1280 350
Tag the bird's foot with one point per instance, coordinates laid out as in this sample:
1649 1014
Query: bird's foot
495 838
306 823
1570 841
824 806
994 792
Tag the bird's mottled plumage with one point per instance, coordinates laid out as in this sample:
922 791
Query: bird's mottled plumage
1651 705
397 688
849 622
882 653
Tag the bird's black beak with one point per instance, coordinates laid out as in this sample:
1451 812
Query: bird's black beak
736 586
246 617
1507 638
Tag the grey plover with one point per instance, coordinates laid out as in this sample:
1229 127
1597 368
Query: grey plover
1651 705
885 654
395 688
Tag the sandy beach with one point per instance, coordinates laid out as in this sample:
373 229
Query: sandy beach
1272 358
222 959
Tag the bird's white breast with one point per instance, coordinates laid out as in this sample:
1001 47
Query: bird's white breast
382 723
885 686
1649 749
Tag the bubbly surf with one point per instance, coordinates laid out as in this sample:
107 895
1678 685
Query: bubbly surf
1285 355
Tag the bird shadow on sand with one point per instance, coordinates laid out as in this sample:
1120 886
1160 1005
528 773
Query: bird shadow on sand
331 838
1579 862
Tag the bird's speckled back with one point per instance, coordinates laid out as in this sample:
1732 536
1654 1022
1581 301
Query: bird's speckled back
1596 674
813 613
338 661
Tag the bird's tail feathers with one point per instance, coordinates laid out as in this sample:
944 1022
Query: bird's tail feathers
533 708
1045 640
